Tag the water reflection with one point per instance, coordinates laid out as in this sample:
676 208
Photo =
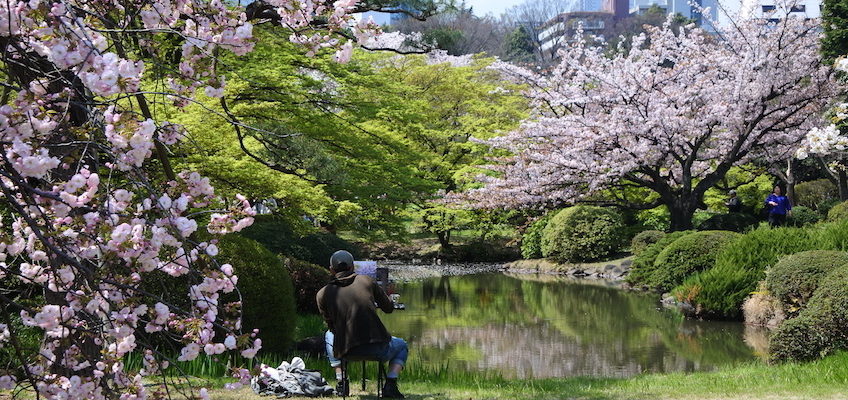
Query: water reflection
526 326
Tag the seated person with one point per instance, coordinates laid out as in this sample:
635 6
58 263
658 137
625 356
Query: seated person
349 306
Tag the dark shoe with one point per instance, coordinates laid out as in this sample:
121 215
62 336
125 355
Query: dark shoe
390 390
343 388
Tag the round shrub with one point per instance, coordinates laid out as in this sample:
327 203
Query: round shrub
736 222
838 212
803 216
814 194
307 280
266 291
721 290
822 326
794 278
643 263
531 242
644 239
582 233
692 253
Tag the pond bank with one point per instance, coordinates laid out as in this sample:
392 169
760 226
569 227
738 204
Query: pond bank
613 270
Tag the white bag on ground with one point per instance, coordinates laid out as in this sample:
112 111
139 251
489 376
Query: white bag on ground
290 379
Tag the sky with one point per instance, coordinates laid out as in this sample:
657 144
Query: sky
495 7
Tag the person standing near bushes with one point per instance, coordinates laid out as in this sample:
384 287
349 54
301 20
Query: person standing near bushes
733 204
778 207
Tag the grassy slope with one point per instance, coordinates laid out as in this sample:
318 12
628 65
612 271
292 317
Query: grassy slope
825 379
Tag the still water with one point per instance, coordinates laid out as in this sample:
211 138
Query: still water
524 326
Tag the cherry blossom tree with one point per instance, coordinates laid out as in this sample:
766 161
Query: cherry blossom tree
672 115
91 206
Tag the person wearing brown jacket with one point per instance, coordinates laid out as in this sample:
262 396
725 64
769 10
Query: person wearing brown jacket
349 306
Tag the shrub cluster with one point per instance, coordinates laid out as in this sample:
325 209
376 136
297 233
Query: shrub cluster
822 326
643 263
582 233
531 242
740 265
814 194
803 216
266 290
794 278
307 280
689 254
644 239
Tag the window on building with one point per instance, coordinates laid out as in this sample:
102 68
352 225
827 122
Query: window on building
798 8
768 8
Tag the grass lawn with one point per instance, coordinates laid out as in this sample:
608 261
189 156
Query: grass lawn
825 379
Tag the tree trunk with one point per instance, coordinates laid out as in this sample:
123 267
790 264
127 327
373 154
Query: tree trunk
791 181
682 211
842 183
444 239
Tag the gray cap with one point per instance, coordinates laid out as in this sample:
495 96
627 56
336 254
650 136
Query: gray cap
341 257
732 191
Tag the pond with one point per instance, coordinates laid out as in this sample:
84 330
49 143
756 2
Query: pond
539 326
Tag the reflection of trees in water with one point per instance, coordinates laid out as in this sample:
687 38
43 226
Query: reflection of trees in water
546 329
543 353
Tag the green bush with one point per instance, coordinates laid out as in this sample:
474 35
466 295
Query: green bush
307 280
531 242
814 194
276 234
721 290
582 233
736 222
644 239
825 207
322 245
794 278
643 263
821 328
803 216
689 254
266 291
838 212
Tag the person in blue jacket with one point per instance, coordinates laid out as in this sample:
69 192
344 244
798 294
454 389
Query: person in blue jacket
778 207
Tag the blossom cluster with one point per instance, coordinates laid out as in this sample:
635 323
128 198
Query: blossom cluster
89 220
676 107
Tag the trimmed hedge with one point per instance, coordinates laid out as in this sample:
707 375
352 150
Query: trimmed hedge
814 194
266 291
794 278
531 242
838 212
736 222
643 263
821 328
644 239
740 265
582 233
689 254
307 280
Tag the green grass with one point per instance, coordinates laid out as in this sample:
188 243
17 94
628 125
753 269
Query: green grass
823 379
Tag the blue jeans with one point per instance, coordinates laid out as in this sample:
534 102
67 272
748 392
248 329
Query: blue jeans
395 352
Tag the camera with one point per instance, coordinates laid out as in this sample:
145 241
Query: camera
381 275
